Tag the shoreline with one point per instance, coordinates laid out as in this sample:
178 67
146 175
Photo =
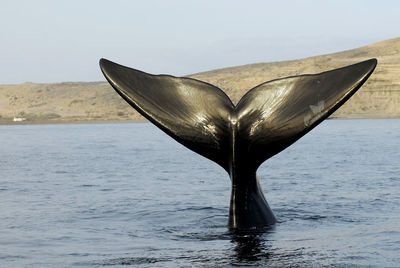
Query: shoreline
56 122
114 121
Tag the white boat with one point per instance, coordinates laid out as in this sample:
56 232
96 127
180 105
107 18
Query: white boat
19 119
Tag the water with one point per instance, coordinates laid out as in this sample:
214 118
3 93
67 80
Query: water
90 195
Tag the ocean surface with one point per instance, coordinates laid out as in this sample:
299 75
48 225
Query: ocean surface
93 195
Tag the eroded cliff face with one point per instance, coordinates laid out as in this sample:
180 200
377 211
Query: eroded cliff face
378 98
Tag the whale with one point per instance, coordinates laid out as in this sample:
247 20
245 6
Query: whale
239 138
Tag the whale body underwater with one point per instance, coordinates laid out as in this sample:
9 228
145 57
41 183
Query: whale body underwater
267 119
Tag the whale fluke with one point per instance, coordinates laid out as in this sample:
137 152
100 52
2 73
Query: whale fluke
266 120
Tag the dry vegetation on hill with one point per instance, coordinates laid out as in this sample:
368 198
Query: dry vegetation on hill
97 101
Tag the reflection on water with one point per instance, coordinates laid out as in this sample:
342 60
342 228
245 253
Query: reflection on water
256 249
250 248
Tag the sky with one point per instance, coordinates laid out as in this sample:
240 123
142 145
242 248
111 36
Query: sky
50 41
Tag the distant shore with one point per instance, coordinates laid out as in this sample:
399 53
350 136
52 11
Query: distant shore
60 121
97 102
83 121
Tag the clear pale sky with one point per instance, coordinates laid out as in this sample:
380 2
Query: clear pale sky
54 41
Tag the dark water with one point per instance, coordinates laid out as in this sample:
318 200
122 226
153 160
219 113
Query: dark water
126 194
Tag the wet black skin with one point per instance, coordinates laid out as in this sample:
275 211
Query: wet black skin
268 119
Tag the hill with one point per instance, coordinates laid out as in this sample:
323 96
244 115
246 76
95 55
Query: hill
97 101
379 97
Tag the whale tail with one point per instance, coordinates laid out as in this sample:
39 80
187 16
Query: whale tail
267 119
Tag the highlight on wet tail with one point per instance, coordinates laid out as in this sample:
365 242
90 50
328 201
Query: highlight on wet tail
268 119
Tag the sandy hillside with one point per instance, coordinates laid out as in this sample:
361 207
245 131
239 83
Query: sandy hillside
378 98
